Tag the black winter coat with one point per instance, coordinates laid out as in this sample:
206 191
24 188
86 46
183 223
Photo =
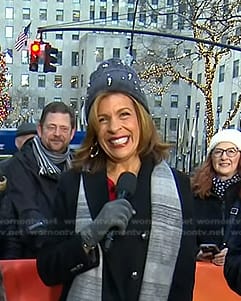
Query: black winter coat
213 216
28 199
232 266
63 257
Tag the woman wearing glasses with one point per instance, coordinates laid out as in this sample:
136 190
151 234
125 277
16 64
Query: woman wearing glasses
216 186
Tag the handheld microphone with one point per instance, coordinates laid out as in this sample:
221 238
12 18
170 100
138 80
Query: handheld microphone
125 188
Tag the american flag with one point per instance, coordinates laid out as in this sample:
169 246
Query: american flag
22 38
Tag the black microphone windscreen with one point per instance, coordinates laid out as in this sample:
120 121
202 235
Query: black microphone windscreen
126 185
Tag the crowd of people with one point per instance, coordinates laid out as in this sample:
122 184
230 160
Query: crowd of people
115 204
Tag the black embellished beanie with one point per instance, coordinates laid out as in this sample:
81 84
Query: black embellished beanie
113 75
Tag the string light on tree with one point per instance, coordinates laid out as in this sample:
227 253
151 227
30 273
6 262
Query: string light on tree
5 105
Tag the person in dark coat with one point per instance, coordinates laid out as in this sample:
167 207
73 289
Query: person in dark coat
217 189
32 175
122 232
24 133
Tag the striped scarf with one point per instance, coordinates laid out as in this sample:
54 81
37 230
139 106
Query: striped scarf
48 161
163 248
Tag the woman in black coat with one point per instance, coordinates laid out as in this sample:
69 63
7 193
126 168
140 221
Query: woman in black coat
217 186
125 228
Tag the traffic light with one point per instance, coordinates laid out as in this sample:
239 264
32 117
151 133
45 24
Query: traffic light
34 56
50 58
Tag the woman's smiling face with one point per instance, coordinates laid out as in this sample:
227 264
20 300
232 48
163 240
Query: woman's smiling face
118 127
224 165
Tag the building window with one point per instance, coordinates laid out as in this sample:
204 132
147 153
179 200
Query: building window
130 15
199 78
25 80
43 14
103 13
60 1
92 12
154 17
173 124
170 2
76 16
74 82
75 37
235 68
41 103
59 15
59 36
221 73
99 54
169 21
24 57
8 31
142 17
57 99
130 1
9 13
41 81
233 100
154 2
189 98
75 58
116 52
158 101
75 1
58 81
115 16
25 102
220 103
26 13
174 101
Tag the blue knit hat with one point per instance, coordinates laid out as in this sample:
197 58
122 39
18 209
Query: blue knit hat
113 75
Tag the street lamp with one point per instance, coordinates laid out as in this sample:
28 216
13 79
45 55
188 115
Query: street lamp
132 33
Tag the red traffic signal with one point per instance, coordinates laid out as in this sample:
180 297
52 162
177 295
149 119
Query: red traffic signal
50 58
34 56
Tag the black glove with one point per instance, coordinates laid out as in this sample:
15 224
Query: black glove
115 214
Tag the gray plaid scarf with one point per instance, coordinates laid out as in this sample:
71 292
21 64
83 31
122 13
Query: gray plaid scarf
48 161
164 243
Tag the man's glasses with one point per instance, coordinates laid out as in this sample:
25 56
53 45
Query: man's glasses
230 152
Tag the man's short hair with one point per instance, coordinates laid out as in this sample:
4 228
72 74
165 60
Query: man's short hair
58 107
